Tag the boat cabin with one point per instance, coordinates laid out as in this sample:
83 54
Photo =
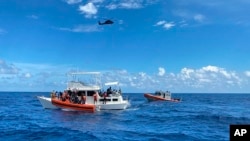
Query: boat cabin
77 90
166 95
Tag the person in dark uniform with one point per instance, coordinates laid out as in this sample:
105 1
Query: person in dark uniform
104 98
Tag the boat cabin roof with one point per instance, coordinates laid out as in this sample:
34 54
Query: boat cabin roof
73 85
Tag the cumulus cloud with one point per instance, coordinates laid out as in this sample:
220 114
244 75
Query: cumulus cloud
204 79
186 73
190 17
88 9
27 75
209 76
112 6
210 68
129 4
247 73
165 24
73 1
161 71
142 74
160 23
169 25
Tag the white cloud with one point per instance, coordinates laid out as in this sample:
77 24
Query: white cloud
142 74
247 73
199 17
27 75
160 23
161 71
112 6
131 4
89 10
185 73
219 71
169 25
210 68
190 17
209 77
82 28
73 1
165 24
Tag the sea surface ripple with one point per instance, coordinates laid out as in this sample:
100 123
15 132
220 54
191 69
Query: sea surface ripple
199 117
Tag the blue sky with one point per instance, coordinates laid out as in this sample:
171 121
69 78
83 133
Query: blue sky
176 45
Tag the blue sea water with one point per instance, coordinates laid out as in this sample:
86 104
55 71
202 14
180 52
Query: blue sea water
199 117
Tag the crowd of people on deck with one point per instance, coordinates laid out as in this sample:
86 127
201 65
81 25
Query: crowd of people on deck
78 97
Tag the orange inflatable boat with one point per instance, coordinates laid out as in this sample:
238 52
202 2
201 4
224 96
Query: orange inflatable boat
159 97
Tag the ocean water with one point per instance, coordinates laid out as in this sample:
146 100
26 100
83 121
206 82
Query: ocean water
199 117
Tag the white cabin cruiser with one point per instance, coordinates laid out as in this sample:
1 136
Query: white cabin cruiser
85 93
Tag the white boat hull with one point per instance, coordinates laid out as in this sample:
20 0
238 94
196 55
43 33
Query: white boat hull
114 106
46 102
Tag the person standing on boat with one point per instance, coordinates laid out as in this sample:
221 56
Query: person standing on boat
104 98
64 96
95 97
52 94
83 98
67 96
109 91
120 91
60 95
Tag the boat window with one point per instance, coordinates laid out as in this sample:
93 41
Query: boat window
90 93
115 99
106 99
80 93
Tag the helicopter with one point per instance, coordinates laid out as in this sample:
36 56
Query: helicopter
105 22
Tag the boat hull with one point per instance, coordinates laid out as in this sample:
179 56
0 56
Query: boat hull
114 106
46 102
71 106
151 97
